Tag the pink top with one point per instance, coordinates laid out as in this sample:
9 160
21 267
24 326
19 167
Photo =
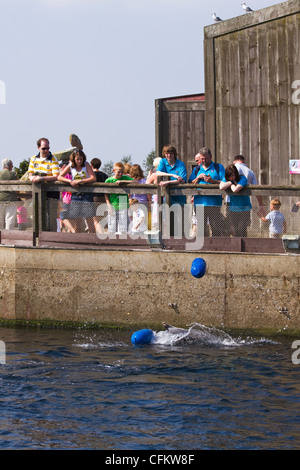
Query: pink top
22 215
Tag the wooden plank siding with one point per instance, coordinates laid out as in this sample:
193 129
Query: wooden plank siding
251 63
180 121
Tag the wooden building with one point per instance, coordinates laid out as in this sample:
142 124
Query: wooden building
252 72
180 121
252 94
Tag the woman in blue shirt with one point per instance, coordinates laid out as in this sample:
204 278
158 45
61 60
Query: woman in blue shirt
171 165
239 206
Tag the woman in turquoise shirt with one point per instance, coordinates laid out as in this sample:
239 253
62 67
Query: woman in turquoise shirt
239 206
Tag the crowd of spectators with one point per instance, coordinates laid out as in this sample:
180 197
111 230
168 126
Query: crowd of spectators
136 212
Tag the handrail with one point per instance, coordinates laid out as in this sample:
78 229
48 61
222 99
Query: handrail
186 188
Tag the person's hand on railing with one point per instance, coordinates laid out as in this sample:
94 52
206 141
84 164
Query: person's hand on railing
179 180
163 183
75 183
225 184
41 178
36 179
121 182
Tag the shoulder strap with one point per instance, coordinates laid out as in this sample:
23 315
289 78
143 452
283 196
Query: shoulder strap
217 168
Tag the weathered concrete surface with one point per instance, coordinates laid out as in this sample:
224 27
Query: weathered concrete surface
134 288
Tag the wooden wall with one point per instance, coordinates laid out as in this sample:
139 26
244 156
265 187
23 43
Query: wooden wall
180 121
251 63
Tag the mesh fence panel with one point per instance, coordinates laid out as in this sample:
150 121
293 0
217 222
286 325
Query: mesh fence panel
16 215
91 217
225 222
74 217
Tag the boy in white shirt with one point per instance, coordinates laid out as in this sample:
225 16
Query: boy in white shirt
138 216
276 218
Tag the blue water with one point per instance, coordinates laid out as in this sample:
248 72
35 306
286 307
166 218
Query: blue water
95 390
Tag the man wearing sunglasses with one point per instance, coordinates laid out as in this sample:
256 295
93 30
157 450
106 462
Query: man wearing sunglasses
44 168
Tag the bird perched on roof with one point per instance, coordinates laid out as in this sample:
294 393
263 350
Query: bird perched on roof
247 9
216 18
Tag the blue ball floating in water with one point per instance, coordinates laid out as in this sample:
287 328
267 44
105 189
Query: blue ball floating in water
142 336
198 267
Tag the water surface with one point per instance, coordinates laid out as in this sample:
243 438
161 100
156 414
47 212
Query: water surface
95 390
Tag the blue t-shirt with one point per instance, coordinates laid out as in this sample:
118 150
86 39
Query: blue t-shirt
239 203
179 169
216 172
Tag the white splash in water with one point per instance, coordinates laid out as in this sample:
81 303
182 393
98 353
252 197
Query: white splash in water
201 335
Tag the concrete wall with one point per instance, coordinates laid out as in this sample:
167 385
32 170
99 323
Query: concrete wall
135 288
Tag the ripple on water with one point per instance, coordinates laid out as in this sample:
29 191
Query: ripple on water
81 390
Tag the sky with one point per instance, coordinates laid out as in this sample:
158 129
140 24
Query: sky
95 68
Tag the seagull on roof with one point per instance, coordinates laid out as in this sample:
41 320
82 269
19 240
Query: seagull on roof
216 18
247 9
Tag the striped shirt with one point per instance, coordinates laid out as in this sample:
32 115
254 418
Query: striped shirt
44 166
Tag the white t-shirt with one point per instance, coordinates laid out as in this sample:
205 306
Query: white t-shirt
79 175
244 170
137 215
276 220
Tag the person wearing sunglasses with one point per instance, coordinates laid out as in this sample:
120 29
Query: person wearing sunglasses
44 167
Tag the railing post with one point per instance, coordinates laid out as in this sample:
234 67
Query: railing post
35 214
164 201
39 211
44 210
159 206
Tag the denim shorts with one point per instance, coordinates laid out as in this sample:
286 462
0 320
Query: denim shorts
82 206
